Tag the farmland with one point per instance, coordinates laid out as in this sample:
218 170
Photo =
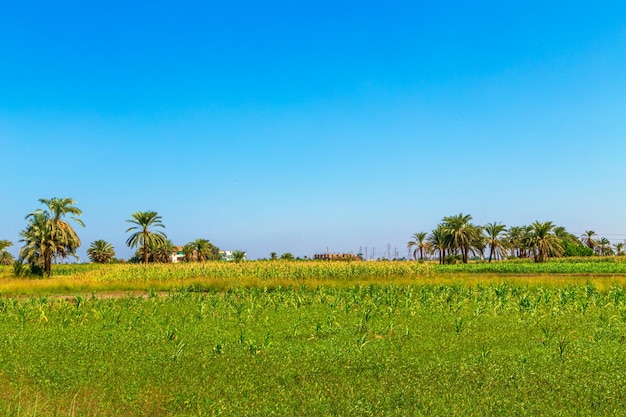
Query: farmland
262 338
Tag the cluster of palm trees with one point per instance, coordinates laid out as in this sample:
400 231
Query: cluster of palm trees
457 238
49 235
153 245
601 246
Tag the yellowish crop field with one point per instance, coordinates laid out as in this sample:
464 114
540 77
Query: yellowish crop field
219 276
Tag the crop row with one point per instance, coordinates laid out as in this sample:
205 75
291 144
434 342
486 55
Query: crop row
325 270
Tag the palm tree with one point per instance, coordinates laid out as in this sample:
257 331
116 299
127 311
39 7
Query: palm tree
566 236
419 242
238 256
587 239
101 252
495 239
48 235
287 256
162 252
38 244
144 236
543 241
206 251
5 257
461 232
5 244
439 240
62 232
619 248
189 250
604 247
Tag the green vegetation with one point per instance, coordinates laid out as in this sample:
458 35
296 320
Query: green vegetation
5 257
201 250
88 278
364 350
48 235
531 334
143 235
101 252
455 238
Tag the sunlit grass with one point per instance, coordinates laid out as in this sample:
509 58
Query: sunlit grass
388 350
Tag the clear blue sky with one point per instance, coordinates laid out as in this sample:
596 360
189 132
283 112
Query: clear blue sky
301 126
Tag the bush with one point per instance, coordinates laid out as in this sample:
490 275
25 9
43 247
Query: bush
572 249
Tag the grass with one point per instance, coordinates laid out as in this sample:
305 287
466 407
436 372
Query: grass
496 349
311 338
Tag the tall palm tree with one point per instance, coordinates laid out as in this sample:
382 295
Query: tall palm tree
495 239
604 247
5 257
38 244
419 242
566 236
100 251
49 235
588 239
461 232
189 250
5 244
543 241
206 251
62 231
439 240
143 235
162 252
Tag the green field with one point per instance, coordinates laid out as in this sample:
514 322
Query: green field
423 343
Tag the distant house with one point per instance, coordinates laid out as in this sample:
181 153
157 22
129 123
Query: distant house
337 257
227 255
177 256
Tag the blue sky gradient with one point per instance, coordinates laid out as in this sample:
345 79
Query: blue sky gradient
291 126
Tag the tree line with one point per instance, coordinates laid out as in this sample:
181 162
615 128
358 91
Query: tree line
50 234
456 238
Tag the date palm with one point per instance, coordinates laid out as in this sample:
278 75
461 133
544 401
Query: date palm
419 243
543 241
38 245
206 251
566 236
619 248
604 247
238 256
495 239
461 232
162 252
439 240
143 234
189 250
49 235
5 244
588 239
101 251
5 257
